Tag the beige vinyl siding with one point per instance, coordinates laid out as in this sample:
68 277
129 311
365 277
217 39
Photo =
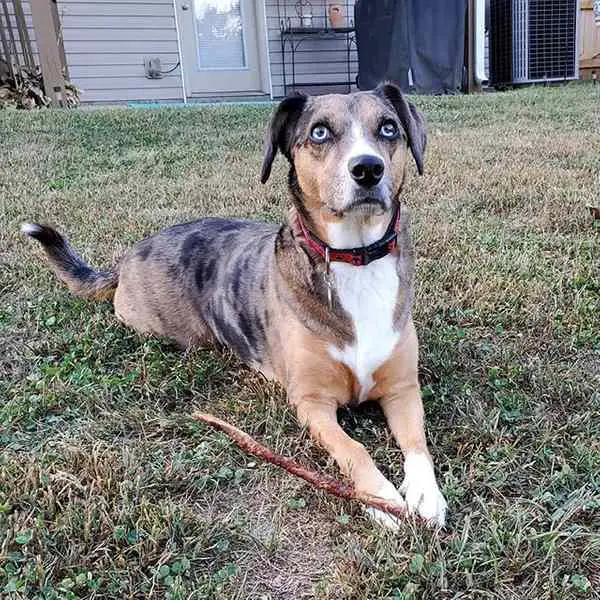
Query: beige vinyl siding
317 60
106 42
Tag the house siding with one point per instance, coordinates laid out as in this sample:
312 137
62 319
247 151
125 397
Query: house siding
106 42
317 60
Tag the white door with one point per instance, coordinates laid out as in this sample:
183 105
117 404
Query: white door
219 46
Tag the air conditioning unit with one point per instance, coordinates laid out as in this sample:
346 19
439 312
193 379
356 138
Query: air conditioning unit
533 41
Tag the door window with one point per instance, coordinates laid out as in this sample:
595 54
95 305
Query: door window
220 34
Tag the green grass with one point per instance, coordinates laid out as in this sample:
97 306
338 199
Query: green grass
109 490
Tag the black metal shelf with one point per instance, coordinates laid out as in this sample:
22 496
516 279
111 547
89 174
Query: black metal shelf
317 31
297 29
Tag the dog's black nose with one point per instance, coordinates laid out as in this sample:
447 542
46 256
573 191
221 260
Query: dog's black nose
366 169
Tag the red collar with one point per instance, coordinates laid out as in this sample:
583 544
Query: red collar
355 256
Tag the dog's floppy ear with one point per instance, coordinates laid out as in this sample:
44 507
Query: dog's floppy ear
280 132
412 120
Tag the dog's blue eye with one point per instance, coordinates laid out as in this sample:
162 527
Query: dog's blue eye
320 134
388 130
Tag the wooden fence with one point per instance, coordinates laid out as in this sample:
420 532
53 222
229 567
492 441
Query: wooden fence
16 48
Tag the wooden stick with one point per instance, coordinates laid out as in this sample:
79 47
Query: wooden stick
319 480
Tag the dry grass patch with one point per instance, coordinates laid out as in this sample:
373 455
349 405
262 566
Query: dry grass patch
109 490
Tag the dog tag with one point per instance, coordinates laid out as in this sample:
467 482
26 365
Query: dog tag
328 279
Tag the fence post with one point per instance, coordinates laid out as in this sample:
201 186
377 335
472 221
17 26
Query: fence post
59 37
46 35
470 48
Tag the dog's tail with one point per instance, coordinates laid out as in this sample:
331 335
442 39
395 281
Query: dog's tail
81 279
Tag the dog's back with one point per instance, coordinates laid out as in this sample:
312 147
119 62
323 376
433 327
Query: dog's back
201 282
197 282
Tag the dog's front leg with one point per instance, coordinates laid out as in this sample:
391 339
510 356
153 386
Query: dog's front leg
320 416
400 393
404 414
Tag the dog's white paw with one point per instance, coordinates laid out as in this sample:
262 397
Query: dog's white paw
391 494
421 491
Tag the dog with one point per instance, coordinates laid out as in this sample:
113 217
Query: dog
322 303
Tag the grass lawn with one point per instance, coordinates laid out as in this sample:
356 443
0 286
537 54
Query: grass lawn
109 490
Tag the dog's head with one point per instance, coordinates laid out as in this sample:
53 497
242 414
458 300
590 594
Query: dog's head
347 153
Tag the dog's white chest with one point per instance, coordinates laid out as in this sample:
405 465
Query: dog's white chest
368 294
